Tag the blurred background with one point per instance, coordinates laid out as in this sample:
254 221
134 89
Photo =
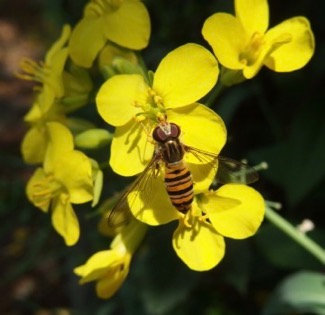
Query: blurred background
277 118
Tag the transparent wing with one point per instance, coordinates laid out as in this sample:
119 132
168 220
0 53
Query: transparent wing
228 170
121 214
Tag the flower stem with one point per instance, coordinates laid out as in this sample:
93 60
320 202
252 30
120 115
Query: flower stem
301 238
214 94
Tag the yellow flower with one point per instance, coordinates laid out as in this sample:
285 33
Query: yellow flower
202 129
61 91
49 74
124 22
243 42
234 210
134 106
109 268
65 179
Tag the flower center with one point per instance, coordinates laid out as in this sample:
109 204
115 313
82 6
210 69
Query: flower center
153 108
252 50
45 190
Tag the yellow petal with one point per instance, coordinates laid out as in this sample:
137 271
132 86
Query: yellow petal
97 265
107 286
150 203
201 128
57 46
73 170
297 52
200 247
89 31
60 142
235 210
32 188
65 220
227 37
34 144
253 15
128 26
117 97
202 176
185 75
130 150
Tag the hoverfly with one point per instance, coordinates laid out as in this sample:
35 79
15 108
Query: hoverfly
169 153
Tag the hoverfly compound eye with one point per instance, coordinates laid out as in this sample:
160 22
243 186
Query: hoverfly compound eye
167 131
159 135
175 131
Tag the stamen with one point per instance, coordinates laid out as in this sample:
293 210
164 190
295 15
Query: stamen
33 71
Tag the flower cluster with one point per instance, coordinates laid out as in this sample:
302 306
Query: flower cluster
138 103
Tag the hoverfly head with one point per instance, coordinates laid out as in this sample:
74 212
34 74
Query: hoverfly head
166 131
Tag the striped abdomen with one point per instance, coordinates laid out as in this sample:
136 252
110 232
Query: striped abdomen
179 185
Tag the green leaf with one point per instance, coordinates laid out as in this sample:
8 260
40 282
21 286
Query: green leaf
301 292
296 163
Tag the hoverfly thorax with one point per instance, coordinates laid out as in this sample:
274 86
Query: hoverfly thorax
167 137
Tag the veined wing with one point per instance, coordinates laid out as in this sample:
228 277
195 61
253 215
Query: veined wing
228 170
121 214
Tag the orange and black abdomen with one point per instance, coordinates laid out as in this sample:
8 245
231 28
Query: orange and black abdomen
179 185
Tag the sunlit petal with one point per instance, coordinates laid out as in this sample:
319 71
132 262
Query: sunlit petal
118 98
130 151
201 247
227 37
201 128
131 15
297 52
253 15
185 75
235 210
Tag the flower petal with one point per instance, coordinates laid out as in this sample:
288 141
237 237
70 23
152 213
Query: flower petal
235 210
118 96
107 286
65 220
201 247
131 15
185 75
60 142
130 150
34 144
73 170
253 15
97 265
201 128
151 204
227 38
32 188
296 53
89 31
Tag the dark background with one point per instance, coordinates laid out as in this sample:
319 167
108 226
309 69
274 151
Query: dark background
278 118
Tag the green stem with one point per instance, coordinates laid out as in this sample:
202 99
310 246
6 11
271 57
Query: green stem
214 94
301 238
